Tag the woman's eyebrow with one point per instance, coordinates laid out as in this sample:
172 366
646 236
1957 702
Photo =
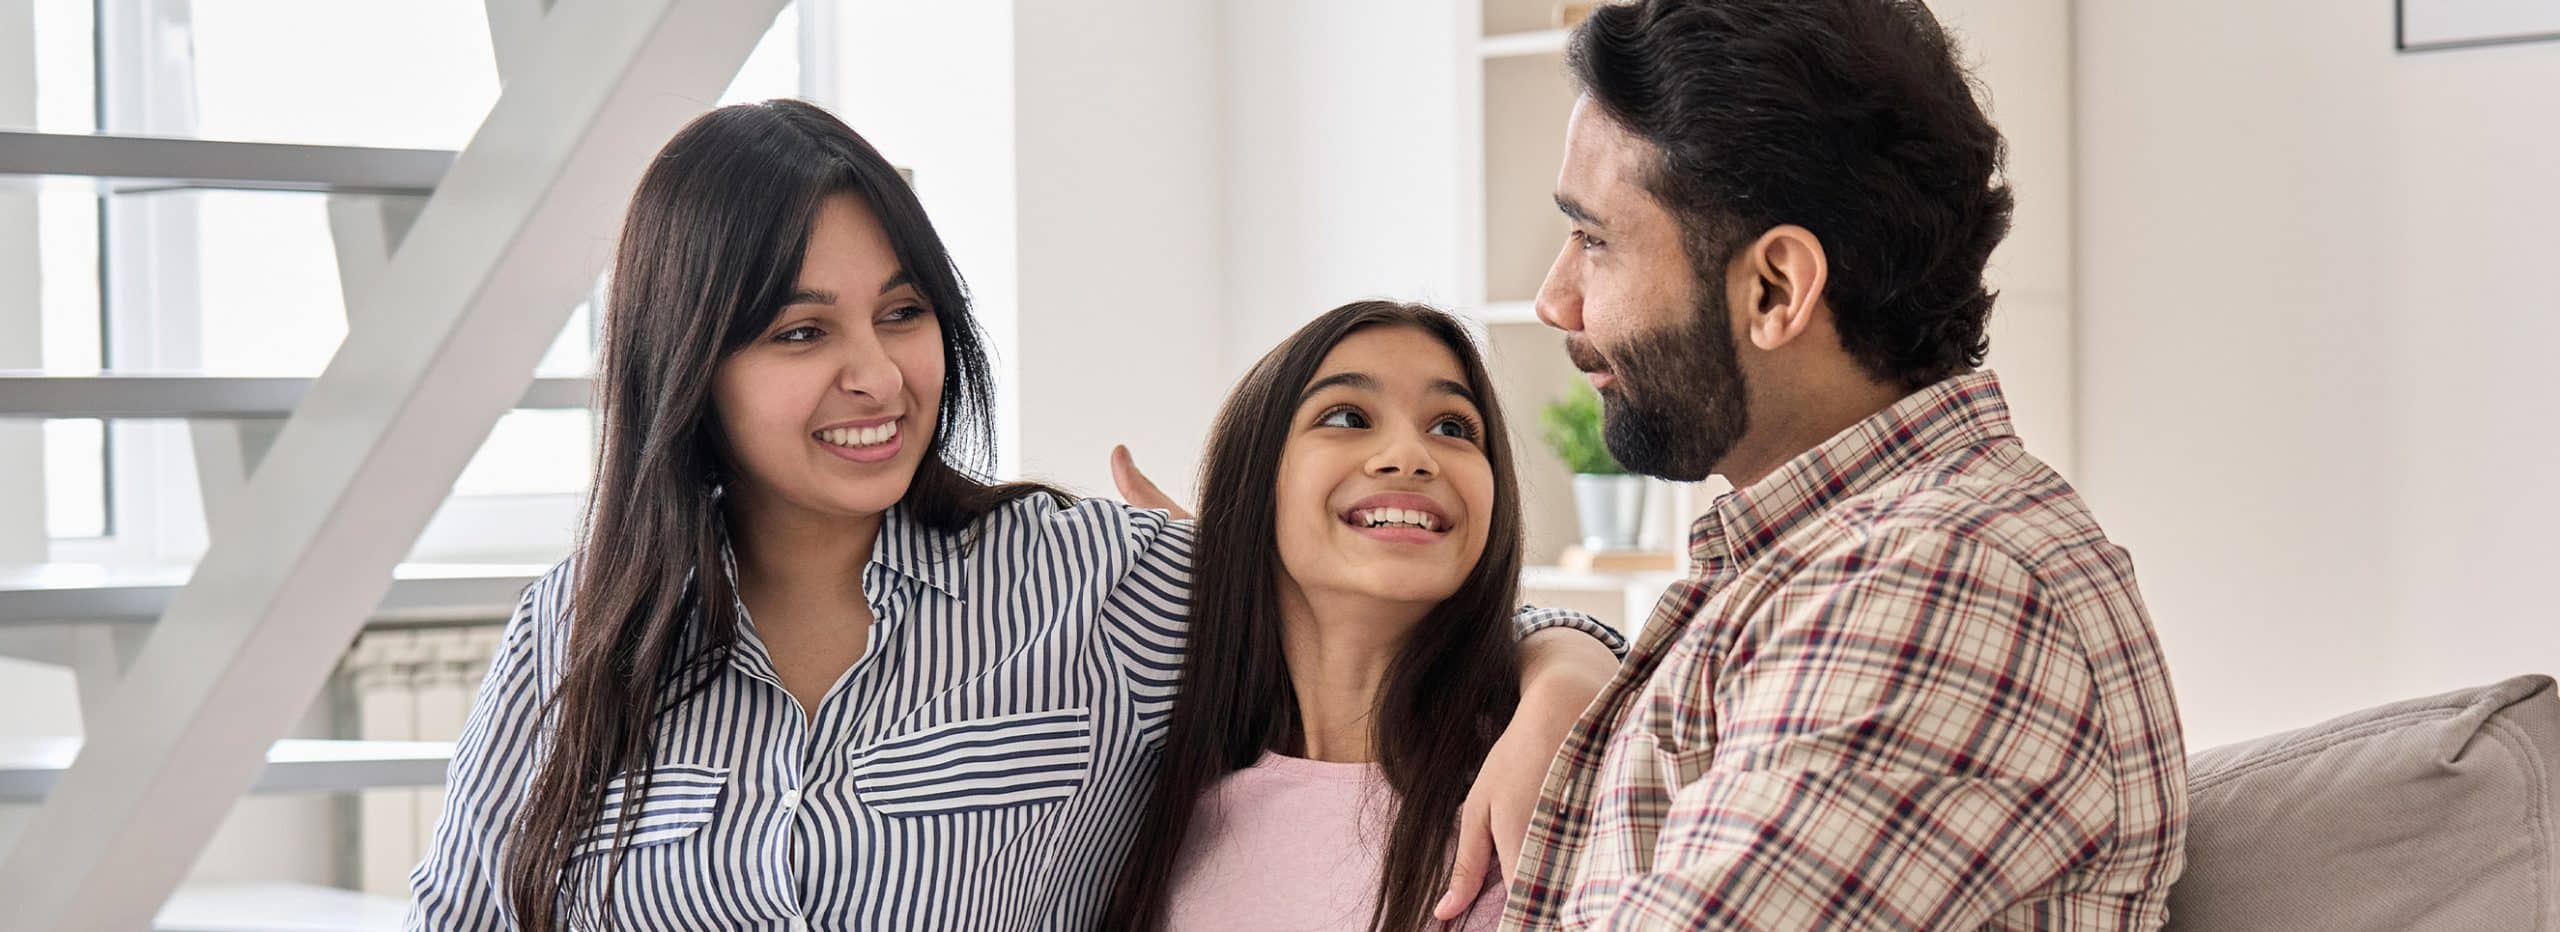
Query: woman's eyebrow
827 297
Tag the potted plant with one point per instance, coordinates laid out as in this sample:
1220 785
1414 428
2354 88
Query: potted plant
1609 502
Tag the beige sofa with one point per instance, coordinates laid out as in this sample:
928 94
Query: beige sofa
2434 814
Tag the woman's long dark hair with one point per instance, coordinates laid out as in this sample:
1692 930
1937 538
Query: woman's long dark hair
1447 695
710 249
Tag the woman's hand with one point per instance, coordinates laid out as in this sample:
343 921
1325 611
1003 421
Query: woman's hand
1562 671
1137 489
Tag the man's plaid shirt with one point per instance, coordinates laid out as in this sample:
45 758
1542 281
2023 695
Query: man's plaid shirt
1910 686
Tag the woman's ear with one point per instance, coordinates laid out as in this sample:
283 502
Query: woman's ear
1789 273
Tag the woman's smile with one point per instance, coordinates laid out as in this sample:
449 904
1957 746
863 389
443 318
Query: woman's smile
870 441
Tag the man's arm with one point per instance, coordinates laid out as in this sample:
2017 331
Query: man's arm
1904 736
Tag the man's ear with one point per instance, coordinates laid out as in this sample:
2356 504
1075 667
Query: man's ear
1788 274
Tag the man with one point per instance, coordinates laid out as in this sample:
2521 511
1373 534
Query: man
1911 684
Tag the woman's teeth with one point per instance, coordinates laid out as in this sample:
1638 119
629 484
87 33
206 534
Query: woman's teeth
860 436
1386 517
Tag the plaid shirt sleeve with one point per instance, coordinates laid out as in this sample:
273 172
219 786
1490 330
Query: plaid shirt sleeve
1532 619
1904 735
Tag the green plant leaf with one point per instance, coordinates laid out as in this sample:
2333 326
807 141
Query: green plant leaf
1574 431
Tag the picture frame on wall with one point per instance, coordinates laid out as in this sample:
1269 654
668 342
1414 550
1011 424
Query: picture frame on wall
2439 25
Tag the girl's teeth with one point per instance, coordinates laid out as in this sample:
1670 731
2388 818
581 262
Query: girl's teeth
1379 517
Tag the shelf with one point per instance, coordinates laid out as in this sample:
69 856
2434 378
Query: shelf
1524 44
278 907
1562 579
1505 313
30 766
114 395
52 593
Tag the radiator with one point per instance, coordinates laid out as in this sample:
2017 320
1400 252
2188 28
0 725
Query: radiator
409 686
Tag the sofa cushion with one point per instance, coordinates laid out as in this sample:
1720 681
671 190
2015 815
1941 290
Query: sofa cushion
2436 813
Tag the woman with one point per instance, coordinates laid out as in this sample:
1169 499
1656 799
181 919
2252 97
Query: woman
806 670
1349 666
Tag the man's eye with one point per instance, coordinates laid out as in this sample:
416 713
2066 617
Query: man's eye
1586 240
1343 417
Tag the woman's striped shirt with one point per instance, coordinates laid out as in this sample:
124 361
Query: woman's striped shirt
982 766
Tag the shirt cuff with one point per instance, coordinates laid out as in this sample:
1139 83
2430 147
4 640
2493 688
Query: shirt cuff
1532 619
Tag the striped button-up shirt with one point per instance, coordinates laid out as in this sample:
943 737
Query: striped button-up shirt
980 767
1910 686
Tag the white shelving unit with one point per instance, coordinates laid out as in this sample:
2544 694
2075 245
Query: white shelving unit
1540 43
1514 98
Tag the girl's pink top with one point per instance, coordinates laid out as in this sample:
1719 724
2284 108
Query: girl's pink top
1293 845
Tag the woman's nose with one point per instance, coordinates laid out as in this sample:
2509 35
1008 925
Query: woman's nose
868 370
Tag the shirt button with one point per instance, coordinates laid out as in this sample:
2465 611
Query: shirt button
790 800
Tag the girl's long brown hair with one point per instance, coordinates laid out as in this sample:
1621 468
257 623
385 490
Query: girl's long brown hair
1446 697
710 249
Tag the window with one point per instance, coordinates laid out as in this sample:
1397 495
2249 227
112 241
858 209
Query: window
246 283
75 451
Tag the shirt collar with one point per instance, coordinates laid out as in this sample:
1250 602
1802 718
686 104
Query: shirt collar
1951 415
908 548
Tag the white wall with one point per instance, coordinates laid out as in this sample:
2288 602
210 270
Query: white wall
931 86
2020 51
1070 156
1122 247
2316 331
1343 138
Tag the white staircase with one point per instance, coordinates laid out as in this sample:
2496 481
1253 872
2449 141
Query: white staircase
458 268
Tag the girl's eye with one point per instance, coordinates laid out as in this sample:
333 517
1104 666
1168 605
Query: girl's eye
1456 426
1343 417
797 335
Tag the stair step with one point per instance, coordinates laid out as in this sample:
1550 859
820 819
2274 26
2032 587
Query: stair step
134 395
277 907
420 592
149 162
29 766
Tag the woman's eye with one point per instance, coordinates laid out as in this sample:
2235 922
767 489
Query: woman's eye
797 335
1343 417
1454 426
904 314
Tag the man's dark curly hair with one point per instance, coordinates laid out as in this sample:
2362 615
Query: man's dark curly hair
1850 118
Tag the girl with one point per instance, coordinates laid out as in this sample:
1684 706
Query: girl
806 669
1349 667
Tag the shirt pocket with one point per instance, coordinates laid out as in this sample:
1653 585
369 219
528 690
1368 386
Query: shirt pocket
978 764
681 800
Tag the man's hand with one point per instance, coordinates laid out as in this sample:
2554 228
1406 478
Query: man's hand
1562 671
1137 489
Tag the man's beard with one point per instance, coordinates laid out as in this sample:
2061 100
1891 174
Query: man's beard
1677 406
